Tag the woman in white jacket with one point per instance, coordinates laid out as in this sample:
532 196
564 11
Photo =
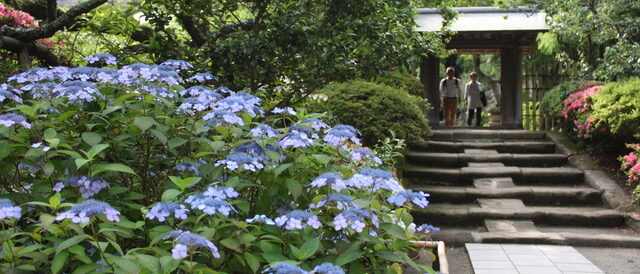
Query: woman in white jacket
472 94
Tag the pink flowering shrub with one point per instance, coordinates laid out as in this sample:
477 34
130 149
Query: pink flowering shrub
630 165
577 108
15 18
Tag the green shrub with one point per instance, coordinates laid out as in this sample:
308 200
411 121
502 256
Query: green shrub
404 81
617 106
375 109
552 102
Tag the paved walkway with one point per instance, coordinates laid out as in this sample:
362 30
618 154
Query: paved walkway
524 259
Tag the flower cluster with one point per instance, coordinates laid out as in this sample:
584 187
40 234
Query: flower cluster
87 186
16 18
209 205
82 212
298 219
8 210
101 58
577 108
374 179
241 159
339 200
363 154
9 92
260 219
190 167
418 198
340 134
264 131
288 110
163 210
283 268
11 119
354 218
330 179
186 240
630 164
426 228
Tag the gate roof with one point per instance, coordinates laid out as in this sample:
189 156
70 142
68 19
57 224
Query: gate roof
474 19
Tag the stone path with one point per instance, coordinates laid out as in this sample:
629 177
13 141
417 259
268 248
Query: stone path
524 259
515 186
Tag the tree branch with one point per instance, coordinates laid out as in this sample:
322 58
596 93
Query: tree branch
38 50
49 29
193 28
52 10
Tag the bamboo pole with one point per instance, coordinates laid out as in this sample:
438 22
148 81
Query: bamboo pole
442 252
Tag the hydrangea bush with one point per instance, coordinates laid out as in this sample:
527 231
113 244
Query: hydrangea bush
152 169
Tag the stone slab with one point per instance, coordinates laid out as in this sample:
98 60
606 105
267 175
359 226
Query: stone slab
501 182
510 226
614 196
480 151
473 164
501 203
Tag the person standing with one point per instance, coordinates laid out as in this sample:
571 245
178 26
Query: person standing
450 93
472 94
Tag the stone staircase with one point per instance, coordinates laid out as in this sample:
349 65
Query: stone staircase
513 186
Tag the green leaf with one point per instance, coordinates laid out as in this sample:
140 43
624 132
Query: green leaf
394 230
87 268
348 257
324 159
28 249
176 142
55 200
71 153
117 167
169 264
95 150
159 135
91 138
309 248
50 133
170 194
71 242
5 150
59 261
252 261
125 264
281 168
294 187
232 244
144 123
390 256
79 251
274 258
149 262
184 183
269 248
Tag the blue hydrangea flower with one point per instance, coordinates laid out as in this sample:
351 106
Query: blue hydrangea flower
8 210
251 99
264 130
170 78
355 219
218 118
426 228
260 219
341 133
101 57
257 152
177 64
60 73
295 139
163 210
221 192
28 167
238 102
316 124
418 198
340 201
158 91
298 219
327 268
194 91
186 240
40 90
241 159
87 186
361 154
39 144
11 119
374 180
300 128
188 166
224 90
209 205
81 213
31 76
202 77
283 268
8 91
288 110
83 73
77 91
331 179
191 105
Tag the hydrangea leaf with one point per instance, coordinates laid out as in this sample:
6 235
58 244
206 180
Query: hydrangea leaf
144 122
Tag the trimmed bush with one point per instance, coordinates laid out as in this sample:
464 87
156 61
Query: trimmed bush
376 109
617 107
552 102
404 81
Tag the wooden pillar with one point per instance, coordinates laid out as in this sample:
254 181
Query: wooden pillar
429 72
511 87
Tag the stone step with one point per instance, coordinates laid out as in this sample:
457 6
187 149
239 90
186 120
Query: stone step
460 215
530 195
435 159
465 175
501 147
573 236
483 134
